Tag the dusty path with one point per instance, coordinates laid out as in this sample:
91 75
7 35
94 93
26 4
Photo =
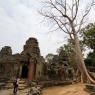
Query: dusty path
76 89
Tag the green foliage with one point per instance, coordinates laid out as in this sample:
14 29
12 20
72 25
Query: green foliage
67 54
71 54
89 36
62 53
49 57
90 60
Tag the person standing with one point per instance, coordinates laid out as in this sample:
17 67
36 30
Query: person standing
15 85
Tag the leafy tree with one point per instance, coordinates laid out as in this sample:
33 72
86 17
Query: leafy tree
67 54
49 58
90 60
63 56
89 36
55 60
65 16
62 53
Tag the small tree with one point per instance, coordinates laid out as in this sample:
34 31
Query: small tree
65 16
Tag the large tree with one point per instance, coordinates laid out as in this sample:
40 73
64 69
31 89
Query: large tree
67 16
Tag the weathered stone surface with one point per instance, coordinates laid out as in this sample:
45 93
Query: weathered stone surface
6 51
12 65
90 88
31 51
31 48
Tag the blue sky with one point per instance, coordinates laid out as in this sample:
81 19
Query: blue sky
20 20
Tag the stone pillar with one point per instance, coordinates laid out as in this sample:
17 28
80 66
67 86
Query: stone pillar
20 71
31 71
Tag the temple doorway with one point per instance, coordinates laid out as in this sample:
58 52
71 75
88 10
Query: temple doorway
24 73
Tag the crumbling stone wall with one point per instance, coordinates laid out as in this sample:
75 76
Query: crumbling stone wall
6 51
8 63
11 65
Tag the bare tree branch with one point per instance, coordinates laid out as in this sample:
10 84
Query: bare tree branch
85 14
63 14
76 9
60 26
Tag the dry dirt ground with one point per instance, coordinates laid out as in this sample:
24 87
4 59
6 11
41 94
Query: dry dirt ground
76 89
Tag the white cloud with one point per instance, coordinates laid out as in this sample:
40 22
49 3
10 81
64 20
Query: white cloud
19 20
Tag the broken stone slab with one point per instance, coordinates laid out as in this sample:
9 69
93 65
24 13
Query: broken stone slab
90 87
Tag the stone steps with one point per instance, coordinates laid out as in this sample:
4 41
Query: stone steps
22 85
91 88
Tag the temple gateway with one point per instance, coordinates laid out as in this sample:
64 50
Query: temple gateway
28 64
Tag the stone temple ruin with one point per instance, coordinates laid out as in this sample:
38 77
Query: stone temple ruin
28 64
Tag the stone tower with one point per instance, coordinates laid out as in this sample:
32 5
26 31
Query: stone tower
31 48
31 51
6 51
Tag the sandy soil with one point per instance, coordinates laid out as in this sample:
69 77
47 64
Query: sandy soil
76 89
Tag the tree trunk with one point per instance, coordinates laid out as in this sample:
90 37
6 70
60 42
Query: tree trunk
81 65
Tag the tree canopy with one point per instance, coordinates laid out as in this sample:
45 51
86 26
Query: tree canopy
89 36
